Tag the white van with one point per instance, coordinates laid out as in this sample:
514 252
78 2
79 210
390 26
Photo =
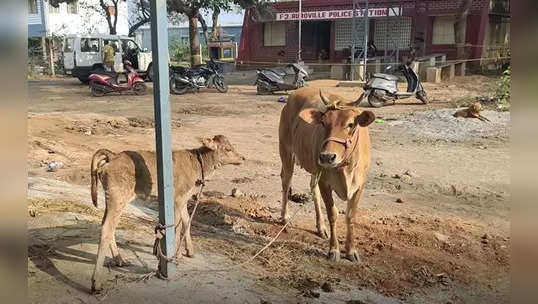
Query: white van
83 55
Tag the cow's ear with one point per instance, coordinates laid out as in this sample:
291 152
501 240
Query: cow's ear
365 118
311 116
209 143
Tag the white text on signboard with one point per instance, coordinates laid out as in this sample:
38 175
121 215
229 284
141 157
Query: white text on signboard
338 14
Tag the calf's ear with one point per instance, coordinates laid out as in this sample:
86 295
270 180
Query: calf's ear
365 118
311 116
209 143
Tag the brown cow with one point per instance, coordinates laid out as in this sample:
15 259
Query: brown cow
321 137
129 175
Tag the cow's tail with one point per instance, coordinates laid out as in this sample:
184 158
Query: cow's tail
99 158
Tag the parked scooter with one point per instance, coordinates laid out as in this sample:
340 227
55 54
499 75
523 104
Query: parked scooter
204 76
382 89
103 83
272 80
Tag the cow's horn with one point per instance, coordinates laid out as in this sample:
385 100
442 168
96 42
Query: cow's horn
324 98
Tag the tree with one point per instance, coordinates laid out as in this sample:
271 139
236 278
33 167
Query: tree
257 9
141 13
215 18
459 27
191 9
110 9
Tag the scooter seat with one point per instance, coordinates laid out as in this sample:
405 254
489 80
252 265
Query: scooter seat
386 76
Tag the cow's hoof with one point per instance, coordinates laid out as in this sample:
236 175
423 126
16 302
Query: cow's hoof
322 233
353 256
189 253
96 288
120 262
334 255
286 222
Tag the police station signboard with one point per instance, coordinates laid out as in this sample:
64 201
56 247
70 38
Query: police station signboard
338 14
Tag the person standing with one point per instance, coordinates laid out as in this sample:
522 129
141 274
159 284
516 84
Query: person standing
108 56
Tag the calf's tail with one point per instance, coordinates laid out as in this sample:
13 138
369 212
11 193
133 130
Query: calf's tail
99 158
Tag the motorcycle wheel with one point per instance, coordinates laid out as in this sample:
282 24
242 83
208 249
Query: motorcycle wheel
139 88
174 88
220 85
421 95
261 90
96 89
375 101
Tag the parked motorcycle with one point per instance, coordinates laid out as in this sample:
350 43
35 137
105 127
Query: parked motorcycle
105 82
204 76
382 89
271 80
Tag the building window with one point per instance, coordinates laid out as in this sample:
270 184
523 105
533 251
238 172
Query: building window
393 33
32 7
54 10
443 30
72 8
274 34
343 34
227 53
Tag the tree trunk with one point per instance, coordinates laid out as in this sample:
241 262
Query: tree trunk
115 18
204 27
196 57
216 13
51 56
459 28
136 26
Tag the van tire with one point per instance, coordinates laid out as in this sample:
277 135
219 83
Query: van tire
84 79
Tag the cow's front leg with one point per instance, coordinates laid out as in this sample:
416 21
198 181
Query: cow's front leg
351 221
320 223
332 213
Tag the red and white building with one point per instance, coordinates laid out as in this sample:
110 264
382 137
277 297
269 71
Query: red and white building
327 29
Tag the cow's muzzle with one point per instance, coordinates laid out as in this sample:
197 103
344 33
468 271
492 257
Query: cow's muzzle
327 159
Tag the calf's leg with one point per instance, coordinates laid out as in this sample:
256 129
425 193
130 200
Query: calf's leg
332 213
108 228
187 231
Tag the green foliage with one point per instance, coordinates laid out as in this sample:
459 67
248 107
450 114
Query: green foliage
503 91
179 52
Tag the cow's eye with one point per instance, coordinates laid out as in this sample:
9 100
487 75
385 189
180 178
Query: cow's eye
351 125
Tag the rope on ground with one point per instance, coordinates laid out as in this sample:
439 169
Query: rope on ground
174 259
252 258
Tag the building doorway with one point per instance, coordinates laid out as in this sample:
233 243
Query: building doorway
315 40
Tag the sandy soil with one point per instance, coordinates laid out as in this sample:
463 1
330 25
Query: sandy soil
448 242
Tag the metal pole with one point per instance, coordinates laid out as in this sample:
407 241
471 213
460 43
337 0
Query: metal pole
163 132
366 32
300 30
353 41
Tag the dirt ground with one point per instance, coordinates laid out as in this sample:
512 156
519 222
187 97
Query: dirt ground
446 240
